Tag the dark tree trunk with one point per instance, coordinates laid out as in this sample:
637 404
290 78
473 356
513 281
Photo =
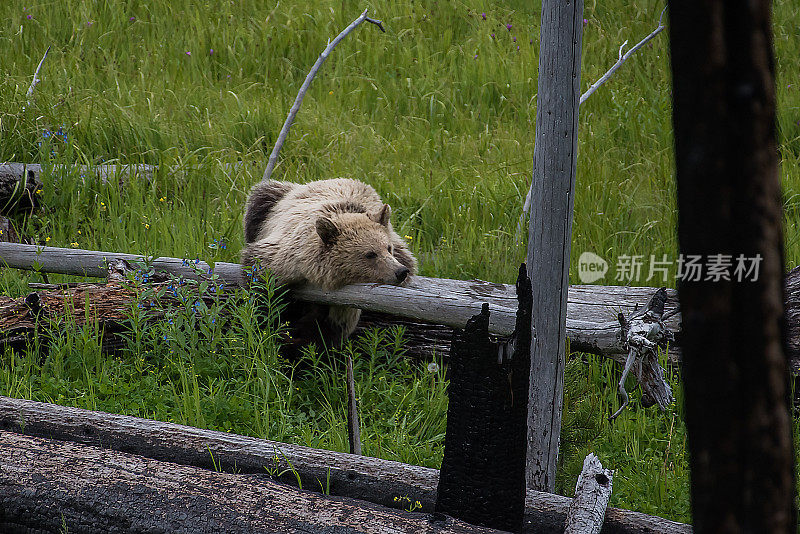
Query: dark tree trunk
735 362
482 480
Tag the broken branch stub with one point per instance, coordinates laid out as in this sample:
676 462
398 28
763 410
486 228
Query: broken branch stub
592 492
642 334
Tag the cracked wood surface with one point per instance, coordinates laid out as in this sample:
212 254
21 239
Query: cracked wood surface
370 479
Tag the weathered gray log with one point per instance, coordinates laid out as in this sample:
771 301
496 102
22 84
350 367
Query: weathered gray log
591 310
359 477
105 173
588 508
550 229
55 486
11 172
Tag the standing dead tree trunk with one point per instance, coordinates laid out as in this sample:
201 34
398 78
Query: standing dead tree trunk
482 479
735 365
550 230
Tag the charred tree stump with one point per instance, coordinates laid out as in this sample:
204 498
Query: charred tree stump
729 199
482 479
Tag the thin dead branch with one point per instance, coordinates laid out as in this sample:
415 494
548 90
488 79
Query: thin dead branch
273 158
36 79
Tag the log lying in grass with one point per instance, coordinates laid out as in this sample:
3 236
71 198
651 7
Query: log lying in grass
591 310
370 479
110 304
54 486
15 172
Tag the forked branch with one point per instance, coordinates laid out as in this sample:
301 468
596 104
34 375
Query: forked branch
622 58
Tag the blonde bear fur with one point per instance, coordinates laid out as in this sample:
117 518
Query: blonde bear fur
328 233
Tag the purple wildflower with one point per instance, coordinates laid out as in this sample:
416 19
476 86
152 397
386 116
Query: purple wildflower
483 15
132 19
585 22
514 39
508 26
188 53
30 16
476 56
211 52
492 36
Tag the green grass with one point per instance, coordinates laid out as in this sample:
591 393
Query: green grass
437 114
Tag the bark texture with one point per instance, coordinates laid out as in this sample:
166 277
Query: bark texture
54 486
482 479
729 199
592 492
550 232
370 479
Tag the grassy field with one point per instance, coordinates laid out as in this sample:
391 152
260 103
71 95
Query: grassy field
437 114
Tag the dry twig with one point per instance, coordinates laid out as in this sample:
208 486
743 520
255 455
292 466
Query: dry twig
36 79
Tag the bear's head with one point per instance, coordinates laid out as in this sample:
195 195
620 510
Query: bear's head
357 248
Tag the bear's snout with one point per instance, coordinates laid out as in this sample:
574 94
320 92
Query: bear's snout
401 274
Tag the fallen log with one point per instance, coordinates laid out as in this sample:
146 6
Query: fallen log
55 486
370 479
592 324
15 172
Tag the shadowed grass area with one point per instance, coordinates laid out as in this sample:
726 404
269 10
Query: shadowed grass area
437 114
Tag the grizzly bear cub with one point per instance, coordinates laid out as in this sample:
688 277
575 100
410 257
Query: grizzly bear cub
327 233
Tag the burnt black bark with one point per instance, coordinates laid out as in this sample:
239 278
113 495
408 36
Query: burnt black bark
482 479
729 199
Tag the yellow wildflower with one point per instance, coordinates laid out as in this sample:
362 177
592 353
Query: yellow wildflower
74 244
408 237
47 239
38 191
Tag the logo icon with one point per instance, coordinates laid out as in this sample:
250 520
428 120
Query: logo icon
591 267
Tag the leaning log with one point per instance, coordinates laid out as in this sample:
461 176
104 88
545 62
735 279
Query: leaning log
370 479
591 310
55 486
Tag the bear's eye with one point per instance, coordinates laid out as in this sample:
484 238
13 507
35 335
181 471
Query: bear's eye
370 255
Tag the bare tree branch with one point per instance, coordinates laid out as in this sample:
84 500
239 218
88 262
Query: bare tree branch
273 158
36 79
622 58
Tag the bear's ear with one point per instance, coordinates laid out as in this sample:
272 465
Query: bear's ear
327 230
382 216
